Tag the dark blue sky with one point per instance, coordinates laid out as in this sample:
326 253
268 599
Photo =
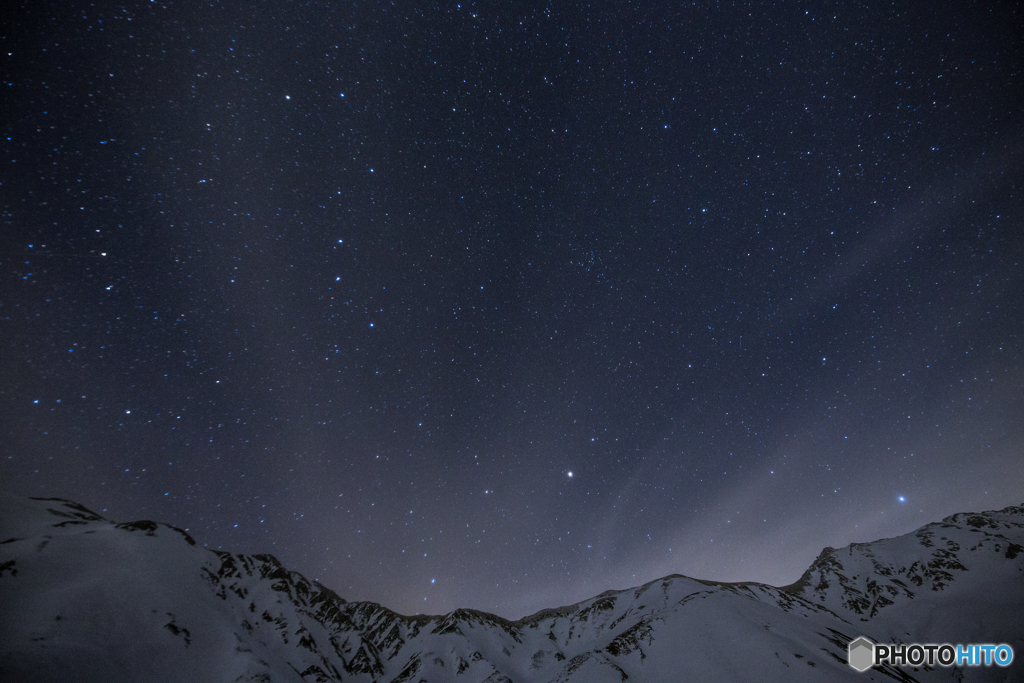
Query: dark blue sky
361 285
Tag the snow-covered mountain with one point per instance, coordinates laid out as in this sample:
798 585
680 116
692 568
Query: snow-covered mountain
85 599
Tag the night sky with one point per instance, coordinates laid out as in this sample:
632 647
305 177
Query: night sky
456 305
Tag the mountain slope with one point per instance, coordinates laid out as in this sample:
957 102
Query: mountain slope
960 580
83 598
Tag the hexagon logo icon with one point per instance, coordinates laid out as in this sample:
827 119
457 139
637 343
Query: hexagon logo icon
861 653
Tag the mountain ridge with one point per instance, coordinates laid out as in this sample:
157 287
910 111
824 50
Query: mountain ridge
143 600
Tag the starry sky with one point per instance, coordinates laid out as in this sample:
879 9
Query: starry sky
503 306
